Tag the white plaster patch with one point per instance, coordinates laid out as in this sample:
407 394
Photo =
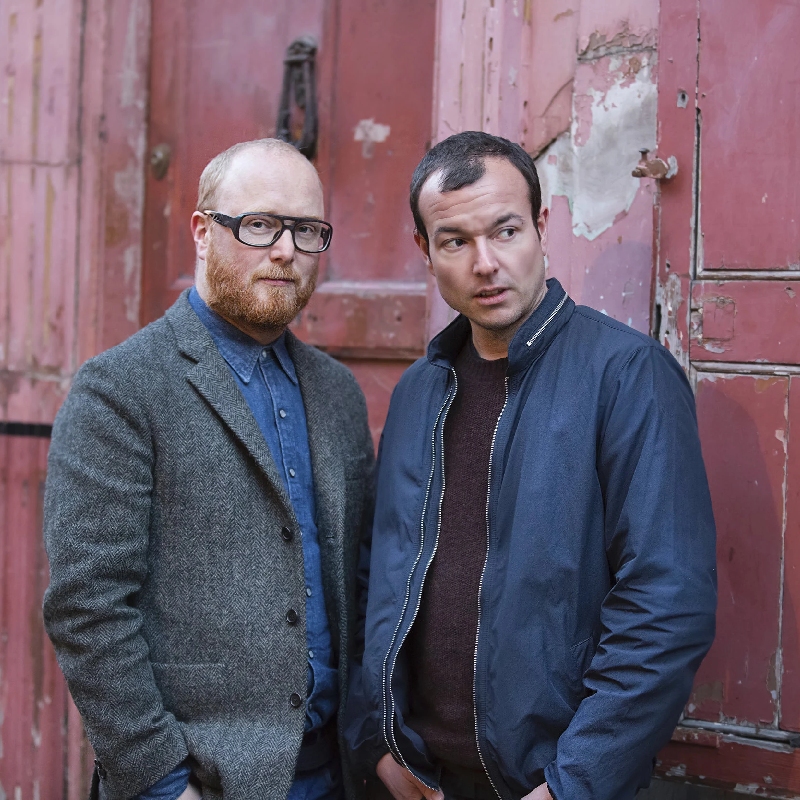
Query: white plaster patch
370 132
596 177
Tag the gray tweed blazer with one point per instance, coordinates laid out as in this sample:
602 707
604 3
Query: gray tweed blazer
175 556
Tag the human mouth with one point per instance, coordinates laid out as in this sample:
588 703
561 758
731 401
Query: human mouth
491 296
275 280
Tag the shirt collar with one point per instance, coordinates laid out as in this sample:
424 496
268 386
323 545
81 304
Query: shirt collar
236 347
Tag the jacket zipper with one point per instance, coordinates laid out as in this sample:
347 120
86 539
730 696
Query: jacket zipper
547 321
486 559
388 699
480 589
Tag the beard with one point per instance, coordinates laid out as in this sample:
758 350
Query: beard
238 298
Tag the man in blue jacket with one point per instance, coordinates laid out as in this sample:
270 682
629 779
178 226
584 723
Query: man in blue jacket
542 585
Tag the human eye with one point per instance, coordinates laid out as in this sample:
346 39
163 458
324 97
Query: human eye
261 225
506 233
453 244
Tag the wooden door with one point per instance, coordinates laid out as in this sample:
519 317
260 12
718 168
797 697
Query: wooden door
728 306
216 79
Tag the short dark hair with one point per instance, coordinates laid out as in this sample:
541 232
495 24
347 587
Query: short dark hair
460 158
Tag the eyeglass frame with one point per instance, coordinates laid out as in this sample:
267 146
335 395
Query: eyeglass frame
234 223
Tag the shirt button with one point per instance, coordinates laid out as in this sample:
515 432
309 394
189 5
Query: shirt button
282 414
311 654
287 534
292 473
264 353
295 701
308 591
291 616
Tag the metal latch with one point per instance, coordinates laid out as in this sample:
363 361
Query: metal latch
299 81
655 167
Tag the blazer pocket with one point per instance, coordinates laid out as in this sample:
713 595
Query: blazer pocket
193 692
354 467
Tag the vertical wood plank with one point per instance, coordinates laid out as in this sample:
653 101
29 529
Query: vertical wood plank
32 690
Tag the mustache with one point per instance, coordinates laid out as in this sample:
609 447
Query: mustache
275 275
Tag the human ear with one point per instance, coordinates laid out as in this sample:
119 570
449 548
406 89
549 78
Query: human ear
541 225
200 233
423 245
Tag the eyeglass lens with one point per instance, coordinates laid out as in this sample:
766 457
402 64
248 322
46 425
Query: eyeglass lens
262 230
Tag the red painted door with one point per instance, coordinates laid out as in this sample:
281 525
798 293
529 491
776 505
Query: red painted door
728 306
216 79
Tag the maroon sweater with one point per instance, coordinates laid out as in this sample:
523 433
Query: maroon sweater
442 640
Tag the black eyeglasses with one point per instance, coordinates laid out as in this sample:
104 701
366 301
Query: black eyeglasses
257 229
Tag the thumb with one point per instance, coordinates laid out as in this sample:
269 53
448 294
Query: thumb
433 794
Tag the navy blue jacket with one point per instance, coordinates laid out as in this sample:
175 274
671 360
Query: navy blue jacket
598 592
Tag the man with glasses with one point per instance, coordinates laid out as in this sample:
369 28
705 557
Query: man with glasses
208 483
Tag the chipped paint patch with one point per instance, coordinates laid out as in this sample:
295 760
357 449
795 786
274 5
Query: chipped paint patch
612 121
598 44
369 133
669 298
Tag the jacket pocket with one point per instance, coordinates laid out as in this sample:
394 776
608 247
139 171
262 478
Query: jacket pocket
193 692
581 656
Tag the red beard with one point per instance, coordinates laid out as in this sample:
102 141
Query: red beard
233 295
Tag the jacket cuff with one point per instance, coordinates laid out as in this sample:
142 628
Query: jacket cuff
553 783
136 769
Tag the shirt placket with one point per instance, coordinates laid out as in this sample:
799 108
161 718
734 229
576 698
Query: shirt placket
299 485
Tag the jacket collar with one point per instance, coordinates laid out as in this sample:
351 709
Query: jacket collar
211 377
529 342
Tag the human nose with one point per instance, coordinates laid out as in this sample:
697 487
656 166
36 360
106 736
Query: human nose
283 249
485 261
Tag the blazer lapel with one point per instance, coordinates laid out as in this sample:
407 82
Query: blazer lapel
211 377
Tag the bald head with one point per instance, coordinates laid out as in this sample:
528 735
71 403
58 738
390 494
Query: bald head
236 161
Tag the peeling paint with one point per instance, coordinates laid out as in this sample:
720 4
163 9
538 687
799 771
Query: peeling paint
593 164
599 44
669 298
714 692
369 133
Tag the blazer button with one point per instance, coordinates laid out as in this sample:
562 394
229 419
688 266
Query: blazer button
287 534
291 616
295 701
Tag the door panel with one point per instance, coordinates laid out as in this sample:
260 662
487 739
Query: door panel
726 305
790 694
746 321
743 428
380 125
370 302
750 103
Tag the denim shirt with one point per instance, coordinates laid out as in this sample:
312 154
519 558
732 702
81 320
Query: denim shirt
267 379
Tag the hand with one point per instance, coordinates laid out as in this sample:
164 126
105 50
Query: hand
189 793
539 793
401 783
